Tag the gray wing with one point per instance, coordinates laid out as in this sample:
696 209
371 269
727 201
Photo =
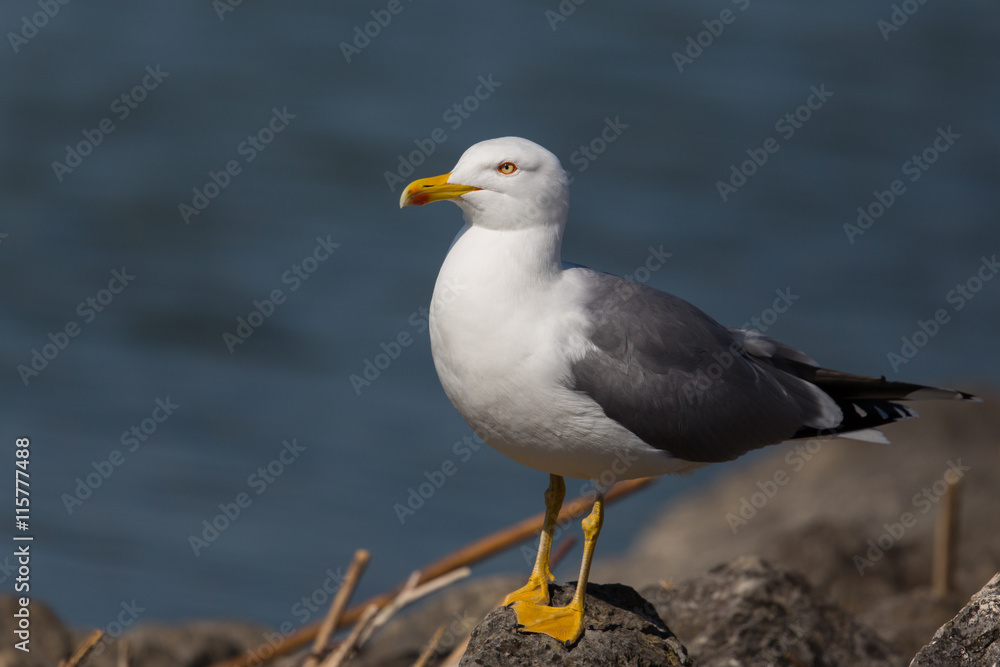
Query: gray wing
684 383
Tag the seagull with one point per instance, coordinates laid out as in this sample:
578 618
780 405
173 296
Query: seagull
584 374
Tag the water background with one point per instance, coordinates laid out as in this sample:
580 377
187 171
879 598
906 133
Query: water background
345 124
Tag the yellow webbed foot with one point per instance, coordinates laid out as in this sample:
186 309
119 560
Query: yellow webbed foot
564 624
535 592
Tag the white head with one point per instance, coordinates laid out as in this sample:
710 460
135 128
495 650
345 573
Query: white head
506 183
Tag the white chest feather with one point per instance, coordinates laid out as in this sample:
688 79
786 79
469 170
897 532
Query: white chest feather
505 328
494 333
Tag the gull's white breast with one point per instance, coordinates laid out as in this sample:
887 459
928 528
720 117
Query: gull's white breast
506 326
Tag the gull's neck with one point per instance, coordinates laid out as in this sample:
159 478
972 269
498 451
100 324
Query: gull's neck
518 257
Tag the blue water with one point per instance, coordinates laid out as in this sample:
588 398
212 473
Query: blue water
318 189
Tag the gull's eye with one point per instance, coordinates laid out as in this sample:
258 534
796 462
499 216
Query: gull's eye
507 168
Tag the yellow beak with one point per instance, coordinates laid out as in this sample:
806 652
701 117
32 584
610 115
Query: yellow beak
428 190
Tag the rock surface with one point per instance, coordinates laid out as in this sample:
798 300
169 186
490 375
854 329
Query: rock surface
750 612
814 507
193 644
831 503
621 628
50 641
188 644
970 639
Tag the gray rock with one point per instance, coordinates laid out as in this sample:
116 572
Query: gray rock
970 639
621 628
750 612
830 502
50 641
190 644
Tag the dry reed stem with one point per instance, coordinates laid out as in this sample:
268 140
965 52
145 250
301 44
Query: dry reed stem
469 554
561 551
123 653
83 650
347 587
945 538
336 659
410 594
428 651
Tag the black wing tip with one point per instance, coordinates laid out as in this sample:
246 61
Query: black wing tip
861 419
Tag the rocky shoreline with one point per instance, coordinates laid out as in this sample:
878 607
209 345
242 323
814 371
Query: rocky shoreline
815 554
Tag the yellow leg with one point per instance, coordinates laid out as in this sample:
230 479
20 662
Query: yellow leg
536 591
566 623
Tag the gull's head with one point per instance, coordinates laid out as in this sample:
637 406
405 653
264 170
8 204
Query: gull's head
506 183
